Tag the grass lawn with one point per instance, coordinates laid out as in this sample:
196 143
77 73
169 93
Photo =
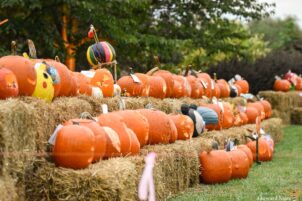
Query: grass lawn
275 180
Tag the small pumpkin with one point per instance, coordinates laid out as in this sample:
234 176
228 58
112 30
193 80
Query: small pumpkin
282 85
8 84
240 164
252 113
74 147
132 88
265 153
83 83
215 166
259 107
267 108
104 80
244 85
184 126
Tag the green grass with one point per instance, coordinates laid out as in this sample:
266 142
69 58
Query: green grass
275 180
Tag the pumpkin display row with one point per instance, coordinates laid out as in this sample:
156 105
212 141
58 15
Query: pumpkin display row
163 84
290 81
47 78
83 141
219 166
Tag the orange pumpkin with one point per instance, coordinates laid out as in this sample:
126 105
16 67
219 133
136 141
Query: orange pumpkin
99 134
104 80
251 113
282 85
243 117
240 164
8 84
265 153
184 125
115 121
259 107
216 92
244 85
74 147
135 89
113 148
267 108
298 86
179 89
138 123
215 166
168 77
239 89
237 120
228 116
24 71
158 87
174 133
83 83
135 145
196 87
224 88
206 83
74 86
159 126
248 153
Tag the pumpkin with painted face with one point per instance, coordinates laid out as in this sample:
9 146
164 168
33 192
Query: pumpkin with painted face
44 85
104 80
8 84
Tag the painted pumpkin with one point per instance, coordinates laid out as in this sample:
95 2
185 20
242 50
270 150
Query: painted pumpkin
184 126
83 83
159 126
215 166
44 85
74 147
224 88
135 145
267 108
196 87
247 152
24 71
244 85
8 84
240 164
265 153
133 88
100 142
138 123
252 113
158 87
104 80
113 145
280 85
208 115
219 113
115 121
168 77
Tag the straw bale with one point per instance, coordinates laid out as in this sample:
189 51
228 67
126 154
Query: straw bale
8 190
273 126
296 115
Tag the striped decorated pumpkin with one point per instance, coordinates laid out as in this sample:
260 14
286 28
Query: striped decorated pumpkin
101 52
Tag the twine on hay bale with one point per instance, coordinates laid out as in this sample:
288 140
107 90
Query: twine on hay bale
8 189
296 115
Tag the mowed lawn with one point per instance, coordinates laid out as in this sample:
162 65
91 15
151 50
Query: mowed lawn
280 179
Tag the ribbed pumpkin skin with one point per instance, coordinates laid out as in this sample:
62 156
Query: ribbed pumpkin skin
224 88
248 153
267 108
240 164
8 84
228 116
100 142
181 88
138 123
135 146
115 121
251 113
135 89
184 126
196 87
113 148
74 147
159 126
282 85
219 113
168 77
244 86
209 115
216 166
174 133
158 87
216 92
104 80
265 153
24 71
259 107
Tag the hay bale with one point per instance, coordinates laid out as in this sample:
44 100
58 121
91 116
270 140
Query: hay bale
236 100
296 115
7 189
274 126
113 179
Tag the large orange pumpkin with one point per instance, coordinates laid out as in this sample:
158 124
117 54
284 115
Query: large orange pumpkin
115 121
74 147
259 107
138 123
267 108
99 134
184 126
224 88
248 153
24 71
265 153
135 145
104 80
168 77
244 85
113 148
158 87
8 84
196 87
240 164
282 85
216 166
252 113
159 126
132 88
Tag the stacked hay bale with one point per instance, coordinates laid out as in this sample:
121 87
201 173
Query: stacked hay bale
8 190
296 115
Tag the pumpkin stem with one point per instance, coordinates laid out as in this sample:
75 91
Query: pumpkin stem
153 70
57 58
32 49
75 123
14 47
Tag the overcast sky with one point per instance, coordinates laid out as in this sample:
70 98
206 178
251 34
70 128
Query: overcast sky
287 7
